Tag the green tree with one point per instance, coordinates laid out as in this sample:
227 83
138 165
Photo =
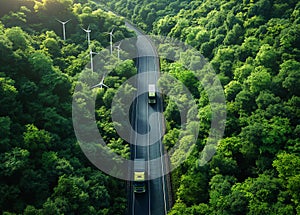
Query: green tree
289 76
5 136
18 38
192 188
267 57
35 140
70 194
8 95
15 161
232 89
259 80
249 48
40 65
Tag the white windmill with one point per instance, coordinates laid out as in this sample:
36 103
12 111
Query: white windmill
91 58
119 49
111 42
88 31
64 26
101 84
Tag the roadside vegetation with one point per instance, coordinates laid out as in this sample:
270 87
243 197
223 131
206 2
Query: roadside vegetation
43 170
254 47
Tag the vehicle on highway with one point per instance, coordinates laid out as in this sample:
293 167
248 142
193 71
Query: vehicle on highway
139 185
151 94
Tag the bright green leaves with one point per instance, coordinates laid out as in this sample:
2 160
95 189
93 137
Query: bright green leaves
51 46
164 25
53 8
118 147
196 35
234 36
288 167
8 94
55 166
259 80
43 171
268 135
191 191
289 38
232 89
171 138
85 195
36 140
249 48
41 65
18 38
220 188
290 77
181 24
267 57
126 69
15 161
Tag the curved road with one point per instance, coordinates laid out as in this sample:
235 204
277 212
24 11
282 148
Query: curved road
155 200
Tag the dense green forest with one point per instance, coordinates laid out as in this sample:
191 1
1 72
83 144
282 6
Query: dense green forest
43 170
254 47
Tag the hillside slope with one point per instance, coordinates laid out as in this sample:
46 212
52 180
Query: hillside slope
43 170
254 47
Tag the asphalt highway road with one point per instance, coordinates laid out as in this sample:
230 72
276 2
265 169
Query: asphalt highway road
155 200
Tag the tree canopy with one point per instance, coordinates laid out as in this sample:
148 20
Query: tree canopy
253 47
42 168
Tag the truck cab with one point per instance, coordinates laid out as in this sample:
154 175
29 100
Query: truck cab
151 94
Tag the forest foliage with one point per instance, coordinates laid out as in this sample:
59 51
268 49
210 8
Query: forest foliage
43 170
254 47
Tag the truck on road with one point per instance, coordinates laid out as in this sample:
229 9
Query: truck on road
151 94
139 185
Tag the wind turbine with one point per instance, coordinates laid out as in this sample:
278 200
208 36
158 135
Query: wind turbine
111 42
91 58
119 49
88 31
101 84
64 26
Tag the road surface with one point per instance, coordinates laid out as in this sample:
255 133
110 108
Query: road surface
155 200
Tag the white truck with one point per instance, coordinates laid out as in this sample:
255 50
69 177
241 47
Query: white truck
139 185
151 94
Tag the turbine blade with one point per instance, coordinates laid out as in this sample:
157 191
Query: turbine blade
97 85
59 21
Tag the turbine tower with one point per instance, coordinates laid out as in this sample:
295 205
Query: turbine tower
88 31
119 49
91 58
101 84
64 27
111 42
